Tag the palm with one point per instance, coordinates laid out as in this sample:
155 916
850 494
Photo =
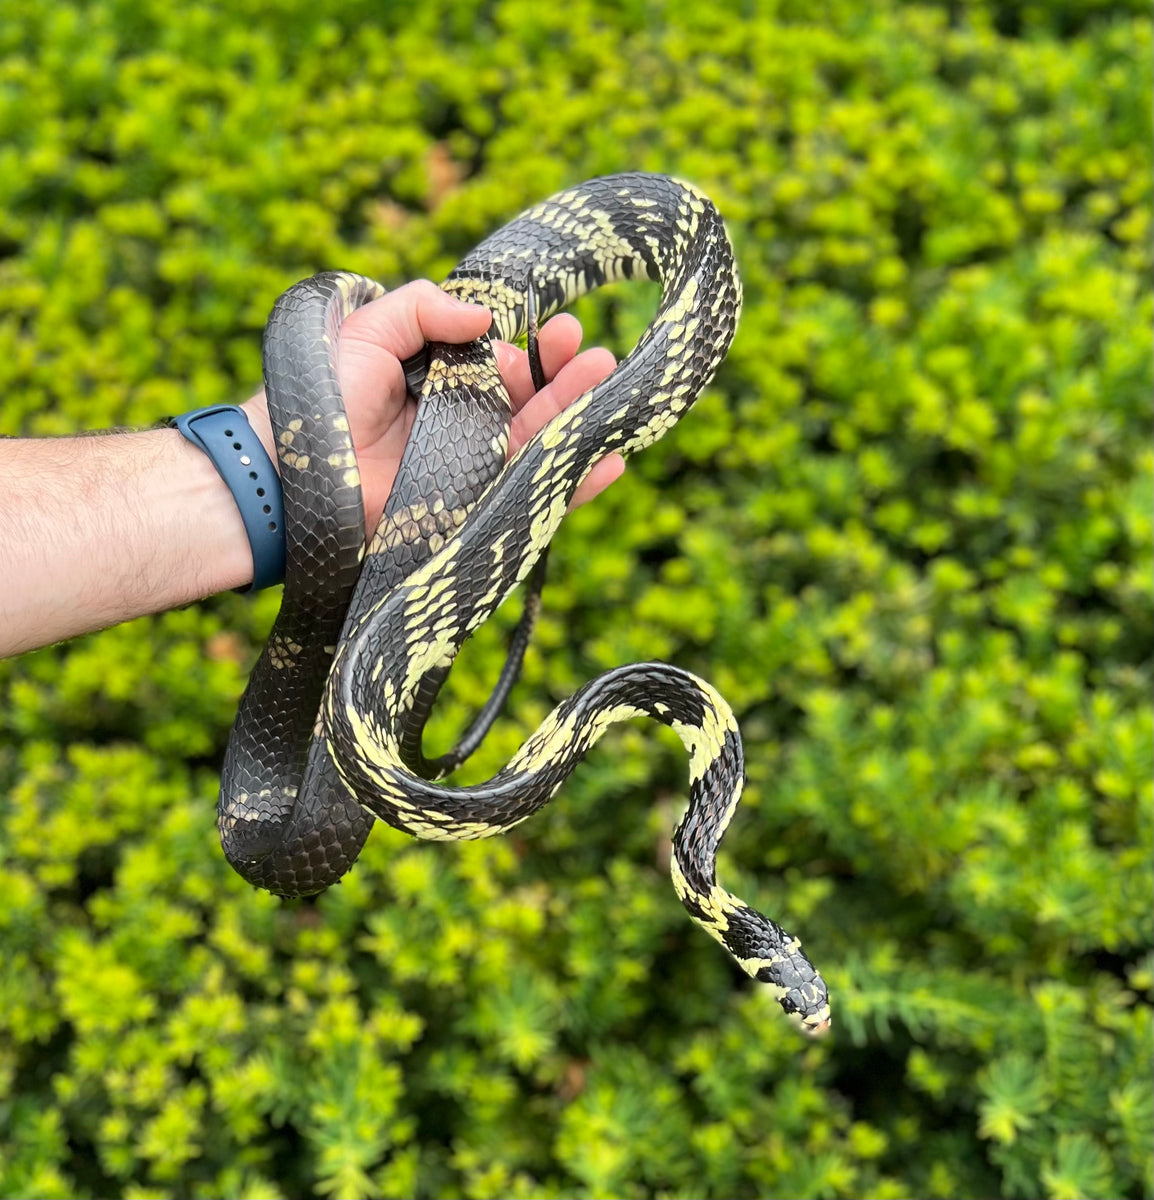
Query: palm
376 338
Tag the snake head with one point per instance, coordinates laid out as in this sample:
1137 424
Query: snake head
800 990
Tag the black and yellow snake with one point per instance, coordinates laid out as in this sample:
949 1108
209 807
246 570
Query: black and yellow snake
366 644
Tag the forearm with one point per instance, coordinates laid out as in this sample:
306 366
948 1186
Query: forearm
96 530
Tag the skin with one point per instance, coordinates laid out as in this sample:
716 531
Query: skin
98 530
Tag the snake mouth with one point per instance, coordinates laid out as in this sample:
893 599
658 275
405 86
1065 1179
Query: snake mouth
816 1025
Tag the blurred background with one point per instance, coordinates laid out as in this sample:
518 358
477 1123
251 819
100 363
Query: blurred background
907 534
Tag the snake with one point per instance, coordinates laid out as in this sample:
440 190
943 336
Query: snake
327 737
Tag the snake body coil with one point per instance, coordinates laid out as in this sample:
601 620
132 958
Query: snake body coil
462 529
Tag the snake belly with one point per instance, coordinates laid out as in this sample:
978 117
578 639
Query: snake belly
402 636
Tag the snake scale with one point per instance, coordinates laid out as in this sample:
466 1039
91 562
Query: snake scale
327 737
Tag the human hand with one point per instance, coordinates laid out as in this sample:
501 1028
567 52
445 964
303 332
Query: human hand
375 339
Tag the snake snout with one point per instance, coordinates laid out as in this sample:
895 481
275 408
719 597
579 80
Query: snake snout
801 992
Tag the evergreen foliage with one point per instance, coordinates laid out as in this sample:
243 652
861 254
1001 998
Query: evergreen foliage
907 534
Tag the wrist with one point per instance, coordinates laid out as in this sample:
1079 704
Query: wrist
256 410
201 518
223 433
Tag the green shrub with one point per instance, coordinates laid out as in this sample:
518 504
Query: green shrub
907 534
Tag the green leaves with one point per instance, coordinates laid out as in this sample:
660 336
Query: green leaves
1015 1094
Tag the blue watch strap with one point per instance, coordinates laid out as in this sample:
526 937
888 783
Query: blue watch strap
224 434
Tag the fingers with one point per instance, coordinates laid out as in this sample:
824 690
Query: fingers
574 379
377 337
559 341
401 322
602 475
